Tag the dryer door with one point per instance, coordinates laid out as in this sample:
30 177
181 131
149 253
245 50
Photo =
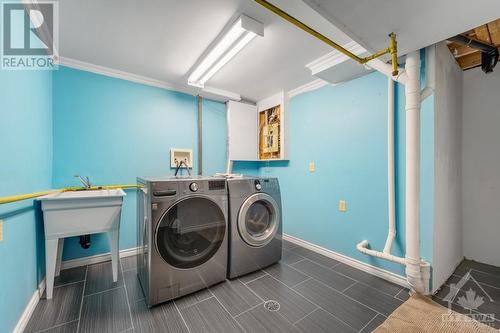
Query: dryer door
258 219
190 232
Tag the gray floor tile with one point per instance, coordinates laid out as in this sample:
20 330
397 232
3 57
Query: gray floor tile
105 312
209 316
485 278
62 308
129 263
286 274
485 268
351 312
188 300
321 321
368 279
489 297
292 306
290 257
161 318
70 327
70 275
329 277
252 276
134 289
260 320
100 278
289 245
376 322
374 299
316 257
235 296
403 295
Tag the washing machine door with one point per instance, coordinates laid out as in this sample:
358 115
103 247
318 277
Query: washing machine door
258 219
190 232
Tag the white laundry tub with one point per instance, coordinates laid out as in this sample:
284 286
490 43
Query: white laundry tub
77 213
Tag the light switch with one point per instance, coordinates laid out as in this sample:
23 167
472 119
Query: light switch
342 206
312 167
1 230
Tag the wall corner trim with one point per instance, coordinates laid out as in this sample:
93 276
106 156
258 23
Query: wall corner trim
370 269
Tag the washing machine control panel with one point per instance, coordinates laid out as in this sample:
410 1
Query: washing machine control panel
258 185
193 187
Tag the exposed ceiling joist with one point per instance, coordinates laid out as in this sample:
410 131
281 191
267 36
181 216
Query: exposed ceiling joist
468 57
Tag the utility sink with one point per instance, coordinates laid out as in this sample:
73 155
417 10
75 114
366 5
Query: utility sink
77 213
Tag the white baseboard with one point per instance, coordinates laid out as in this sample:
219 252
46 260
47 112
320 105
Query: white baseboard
98 258
28 311
381 273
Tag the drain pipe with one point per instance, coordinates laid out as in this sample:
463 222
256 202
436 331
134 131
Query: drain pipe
417 271
199 100
391 188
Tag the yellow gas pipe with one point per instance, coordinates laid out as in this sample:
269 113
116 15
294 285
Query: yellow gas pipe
20 197
392 49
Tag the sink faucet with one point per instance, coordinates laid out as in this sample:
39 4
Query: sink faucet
85 181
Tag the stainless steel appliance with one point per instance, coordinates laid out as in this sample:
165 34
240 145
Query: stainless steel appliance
255 239
182 233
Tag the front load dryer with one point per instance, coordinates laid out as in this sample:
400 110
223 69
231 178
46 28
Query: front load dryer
255 239
182 233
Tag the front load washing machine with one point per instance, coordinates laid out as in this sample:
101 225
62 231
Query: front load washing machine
255 239
182 233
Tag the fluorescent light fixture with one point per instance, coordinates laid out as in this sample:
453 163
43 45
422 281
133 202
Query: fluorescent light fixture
232 41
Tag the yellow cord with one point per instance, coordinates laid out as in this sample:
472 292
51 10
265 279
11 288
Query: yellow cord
20 197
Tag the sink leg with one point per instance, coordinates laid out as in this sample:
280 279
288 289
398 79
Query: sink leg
51 246
60 246
113 237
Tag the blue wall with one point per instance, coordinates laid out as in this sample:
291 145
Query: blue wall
343 129
114 130
26 154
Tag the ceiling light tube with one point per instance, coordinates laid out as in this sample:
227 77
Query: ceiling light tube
242 31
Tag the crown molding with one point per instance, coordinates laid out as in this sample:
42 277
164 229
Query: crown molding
334 58
208 92
313 85
106 71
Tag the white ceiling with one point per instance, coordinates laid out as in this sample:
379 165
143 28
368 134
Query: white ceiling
417 23
162 39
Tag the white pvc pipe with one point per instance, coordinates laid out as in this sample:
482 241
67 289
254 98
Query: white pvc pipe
362 247
412 213
417 271
391 190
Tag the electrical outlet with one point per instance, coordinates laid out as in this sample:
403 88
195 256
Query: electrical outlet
312 167
1 230
342 206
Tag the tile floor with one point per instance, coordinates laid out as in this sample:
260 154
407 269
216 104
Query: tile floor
315 294
484 284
